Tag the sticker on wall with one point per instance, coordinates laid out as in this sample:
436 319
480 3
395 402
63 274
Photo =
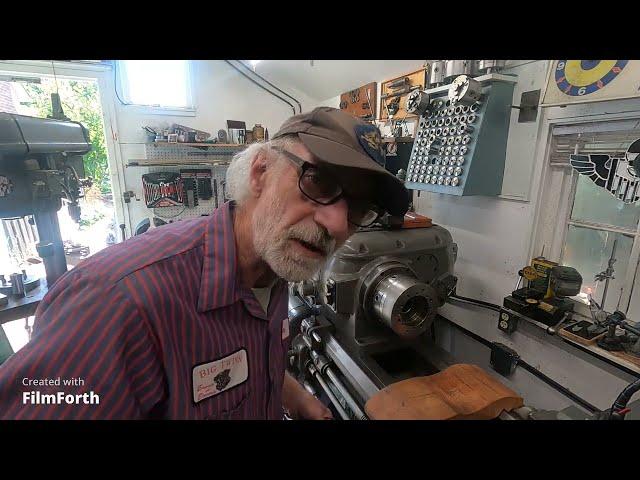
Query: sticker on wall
615 174
6 186
581 81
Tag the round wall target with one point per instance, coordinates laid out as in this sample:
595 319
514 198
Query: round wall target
582 77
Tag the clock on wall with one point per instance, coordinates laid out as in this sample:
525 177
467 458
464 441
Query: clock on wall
581 81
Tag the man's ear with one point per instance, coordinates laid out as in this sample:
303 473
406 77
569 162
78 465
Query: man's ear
257 174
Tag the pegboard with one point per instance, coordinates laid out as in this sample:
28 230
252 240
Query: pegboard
178 153
204 207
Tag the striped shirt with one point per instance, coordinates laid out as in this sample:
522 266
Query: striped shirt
157 327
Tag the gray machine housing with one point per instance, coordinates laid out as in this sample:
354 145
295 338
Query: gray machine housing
482 167
36 154
423 257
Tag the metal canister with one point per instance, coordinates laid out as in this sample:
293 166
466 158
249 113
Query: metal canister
489 66
436 74
453 68
258 133
17 284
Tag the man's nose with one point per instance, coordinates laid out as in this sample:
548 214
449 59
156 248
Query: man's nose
334 218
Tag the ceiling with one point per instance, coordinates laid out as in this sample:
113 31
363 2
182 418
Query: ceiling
324 79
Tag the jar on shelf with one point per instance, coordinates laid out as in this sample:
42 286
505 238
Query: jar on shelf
258 133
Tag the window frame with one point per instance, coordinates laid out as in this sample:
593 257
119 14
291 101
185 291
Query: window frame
553 238
125 102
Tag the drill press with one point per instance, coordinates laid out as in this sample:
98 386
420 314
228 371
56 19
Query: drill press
41 163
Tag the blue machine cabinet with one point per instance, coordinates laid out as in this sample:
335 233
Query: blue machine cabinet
461 149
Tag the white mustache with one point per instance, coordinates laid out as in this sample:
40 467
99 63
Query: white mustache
317 237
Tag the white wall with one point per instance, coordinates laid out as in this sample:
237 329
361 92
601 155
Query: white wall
495 240
220 94
494 234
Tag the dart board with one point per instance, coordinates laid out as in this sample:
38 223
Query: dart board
582 77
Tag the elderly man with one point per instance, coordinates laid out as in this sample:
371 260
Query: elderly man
188 321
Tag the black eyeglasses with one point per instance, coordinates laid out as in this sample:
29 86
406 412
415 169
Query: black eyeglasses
318 184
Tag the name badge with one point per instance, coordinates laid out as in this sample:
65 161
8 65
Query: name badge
285 328
213 378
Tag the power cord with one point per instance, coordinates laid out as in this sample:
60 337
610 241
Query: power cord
473 301
619 407
253 72
259 85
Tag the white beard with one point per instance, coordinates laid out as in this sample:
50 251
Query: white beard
272 245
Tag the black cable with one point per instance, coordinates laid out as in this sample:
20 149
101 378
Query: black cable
625 396
496 308
267 81
568 393
537 373
261 86
473 301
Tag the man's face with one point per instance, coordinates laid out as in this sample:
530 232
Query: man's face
293 234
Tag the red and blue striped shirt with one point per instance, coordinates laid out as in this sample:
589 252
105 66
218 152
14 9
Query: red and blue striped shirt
143 323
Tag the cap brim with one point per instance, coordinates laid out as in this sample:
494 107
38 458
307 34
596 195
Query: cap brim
393 196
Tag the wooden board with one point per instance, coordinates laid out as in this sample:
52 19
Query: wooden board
628 357
416 78
461 392
415 220
356 102
577 338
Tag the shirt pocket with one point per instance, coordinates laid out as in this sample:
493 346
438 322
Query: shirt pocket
228 405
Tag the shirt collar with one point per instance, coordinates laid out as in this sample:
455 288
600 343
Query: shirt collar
219 267
219 285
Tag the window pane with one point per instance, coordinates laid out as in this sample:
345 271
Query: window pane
634 303
157 82
595 204
588 251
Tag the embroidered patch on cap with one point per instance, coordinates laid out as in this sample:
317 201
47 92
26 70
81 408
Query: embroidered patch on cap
369 138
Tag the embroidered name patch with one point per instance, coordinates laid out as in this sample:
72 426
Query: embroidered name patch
212 378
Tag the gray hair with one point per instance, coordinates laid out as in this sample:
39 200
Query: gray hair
238 171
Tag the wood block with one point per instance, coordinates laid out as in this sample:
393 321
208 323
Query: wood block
578 339
414 79
356 102
461 392
414 220
628 357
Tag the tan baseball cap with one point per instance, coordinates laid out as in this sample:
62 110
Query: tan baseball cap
340 139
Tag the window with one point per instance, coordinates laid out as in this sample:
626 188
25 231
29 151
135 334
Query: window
596 226
155 83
